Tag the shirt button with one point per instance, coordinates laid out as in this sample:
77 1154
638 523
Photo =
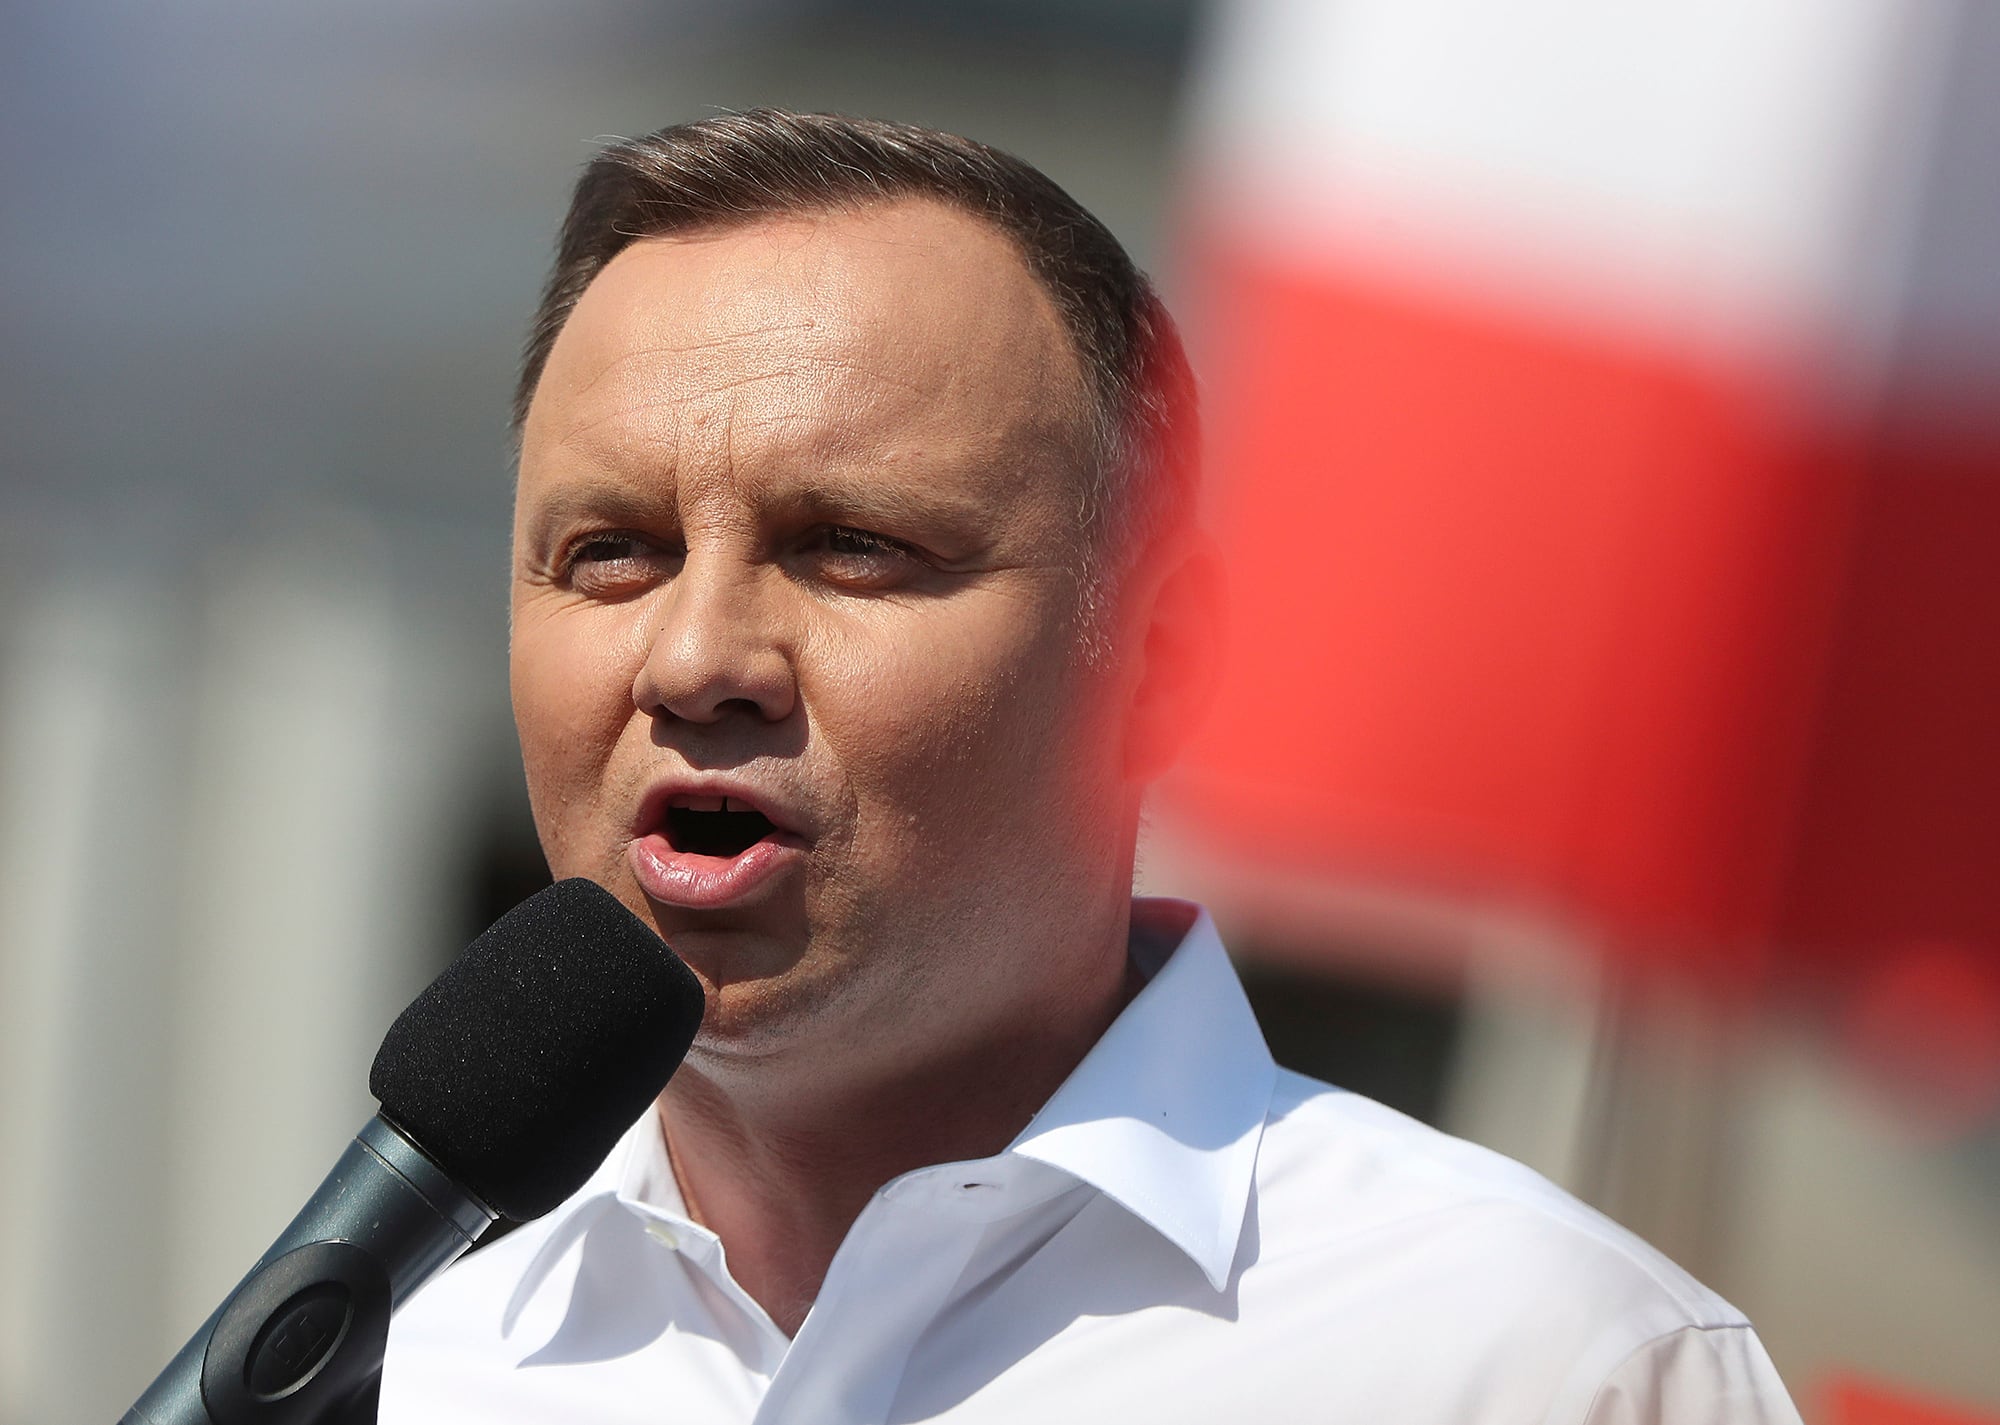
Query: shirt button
663 1234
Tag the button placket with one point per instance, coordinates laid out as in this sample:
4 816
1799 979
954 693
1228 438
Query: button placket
893 1273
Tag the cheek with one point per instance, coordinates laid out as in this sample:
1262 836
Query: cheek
571 676
951 713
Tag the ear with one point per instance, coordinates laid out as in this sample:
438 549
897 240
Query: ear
1180 649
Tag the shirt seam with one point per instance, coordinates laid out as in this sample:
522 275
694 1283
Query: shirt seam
1618 1365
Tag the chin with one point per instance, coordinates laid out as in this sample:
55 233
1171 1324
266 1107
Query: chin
758 1019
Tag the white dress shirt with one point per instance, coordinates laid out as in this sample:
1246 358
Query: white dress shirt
1184 1233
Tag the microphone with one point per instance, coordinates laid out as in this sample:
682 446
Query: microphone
503 1085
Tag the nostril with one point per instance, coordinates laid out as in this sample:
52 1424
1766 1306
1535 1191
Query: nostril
746 688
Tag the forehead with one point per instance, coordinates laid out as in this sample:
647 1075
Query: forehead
907 325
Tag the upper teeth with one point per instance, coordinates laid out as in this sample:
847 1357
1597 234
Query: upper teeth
692 802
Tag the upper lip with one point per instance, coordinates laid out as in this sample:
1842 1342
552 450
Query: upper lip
652 812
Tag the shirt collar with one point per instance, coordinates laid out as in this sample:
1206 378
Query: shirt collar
1165 1113
562 1228
1163 1116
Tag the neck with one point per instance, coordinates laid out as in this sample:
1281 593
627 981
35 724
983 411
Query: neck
779 1158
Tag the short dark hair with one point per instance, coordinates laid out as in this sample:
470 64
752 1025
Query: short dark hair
736 168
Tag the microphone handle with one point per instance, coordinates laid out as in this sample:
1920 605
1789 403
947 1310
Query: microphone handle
301 1338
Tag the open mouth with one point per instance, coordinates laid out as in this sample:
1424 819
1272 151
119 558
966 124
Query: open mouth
714 826
705 850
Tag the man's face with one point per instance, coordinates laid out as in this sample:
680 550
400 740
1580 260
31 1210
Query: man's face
795 616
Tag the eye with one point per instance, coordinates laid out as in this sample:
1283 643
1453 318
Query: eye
842 540
615 563
860 559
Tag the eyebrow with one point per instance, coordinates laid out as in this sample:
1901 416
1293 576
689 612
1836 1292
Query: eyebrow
609 500
893 503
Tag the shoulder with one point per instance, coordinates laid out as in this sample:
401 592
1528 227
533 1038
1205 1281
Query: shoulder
1335 1168
1474 1264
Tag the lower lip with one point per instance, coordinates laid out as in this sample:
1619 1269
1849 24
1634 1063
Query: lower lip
693 882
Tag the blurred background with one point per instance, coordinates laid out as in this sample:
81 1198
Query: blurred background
1604 417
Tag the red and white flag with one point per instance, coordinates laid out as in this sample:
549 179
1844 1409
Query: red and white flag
1612 518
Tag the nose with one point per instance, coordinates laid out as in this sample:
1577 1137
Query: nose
718 650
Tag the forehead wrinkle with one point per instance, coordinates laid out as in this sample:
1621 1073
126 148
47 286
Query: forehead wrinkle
877 374
673 400
684 348
1041 426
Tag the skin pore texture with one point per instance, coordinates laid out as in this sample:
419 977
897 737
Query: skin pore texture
797 525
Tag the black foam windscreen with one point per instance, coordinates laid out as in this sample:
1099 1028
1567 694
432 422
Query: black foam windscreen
521 1064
